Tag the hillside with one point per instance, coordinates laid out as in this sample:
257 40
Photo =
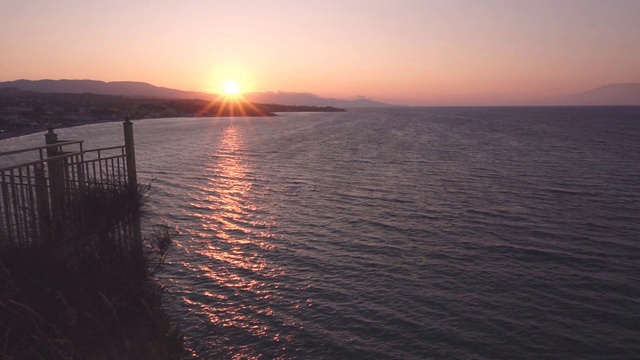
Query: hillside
141 89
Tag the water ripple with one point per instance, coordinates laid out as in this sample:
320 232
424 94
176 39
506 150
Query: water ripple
400 233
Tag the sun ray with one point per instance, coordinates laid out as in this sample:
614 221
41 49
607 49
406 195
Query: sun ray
231 103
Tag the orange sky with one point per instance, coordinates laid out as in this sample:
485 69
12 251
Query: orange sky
417 52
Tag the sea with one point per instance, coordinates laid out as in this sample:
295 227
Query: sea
397 233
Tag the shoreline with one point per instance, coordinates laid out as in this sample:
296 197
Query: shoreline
13 133
24 112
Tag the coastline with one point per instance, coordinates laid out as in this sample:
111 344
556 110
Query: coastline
14 133
24 112
17 132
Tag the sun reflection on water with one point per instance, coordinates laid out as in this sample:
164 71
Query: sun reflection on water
229 246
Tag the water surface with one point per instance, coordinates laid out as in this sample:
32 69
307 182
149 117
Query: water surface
399 233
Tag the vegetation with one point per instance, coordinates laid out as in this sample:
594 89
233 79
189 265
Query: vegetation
90 294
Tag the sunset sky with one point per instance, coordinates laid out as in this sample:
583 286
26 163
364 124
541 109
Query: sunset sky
418 52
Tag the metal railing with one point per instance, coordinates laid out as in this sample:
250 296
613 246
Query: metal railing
40 198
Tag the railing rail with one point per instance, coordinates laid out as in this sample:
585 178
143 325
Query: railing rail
43 147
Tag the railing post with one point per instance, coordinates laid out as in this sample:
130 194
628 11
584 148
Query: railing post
130 152
56 181
42 203
132 177
6 203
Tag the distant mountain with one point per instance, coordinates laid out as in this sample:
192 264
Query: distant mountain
613 94
141 89
294 98
120 88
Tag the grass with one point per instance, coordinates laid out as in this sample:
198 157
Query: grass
91 293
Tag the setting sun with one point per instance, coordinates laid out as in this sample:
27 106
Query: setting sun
231 88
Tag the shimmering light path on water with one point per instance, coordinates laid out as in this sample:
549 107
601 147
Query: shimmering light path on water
400 233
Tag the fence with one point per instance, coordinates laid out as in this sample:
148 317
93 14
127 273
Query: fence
41 199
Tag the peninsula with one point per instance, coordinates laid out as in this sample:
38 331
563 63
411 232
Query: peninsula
23 112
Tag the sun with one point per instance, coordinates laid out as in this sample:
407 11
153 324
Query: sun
231 88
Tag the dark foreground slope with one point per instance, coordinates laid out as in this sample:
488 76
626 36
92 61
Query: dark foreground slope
85 296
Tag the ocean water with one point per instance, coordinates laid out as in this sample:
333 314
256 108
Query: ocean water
412 233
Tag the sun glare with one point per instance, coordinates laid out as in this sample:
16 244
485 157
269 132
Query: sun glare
231 88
